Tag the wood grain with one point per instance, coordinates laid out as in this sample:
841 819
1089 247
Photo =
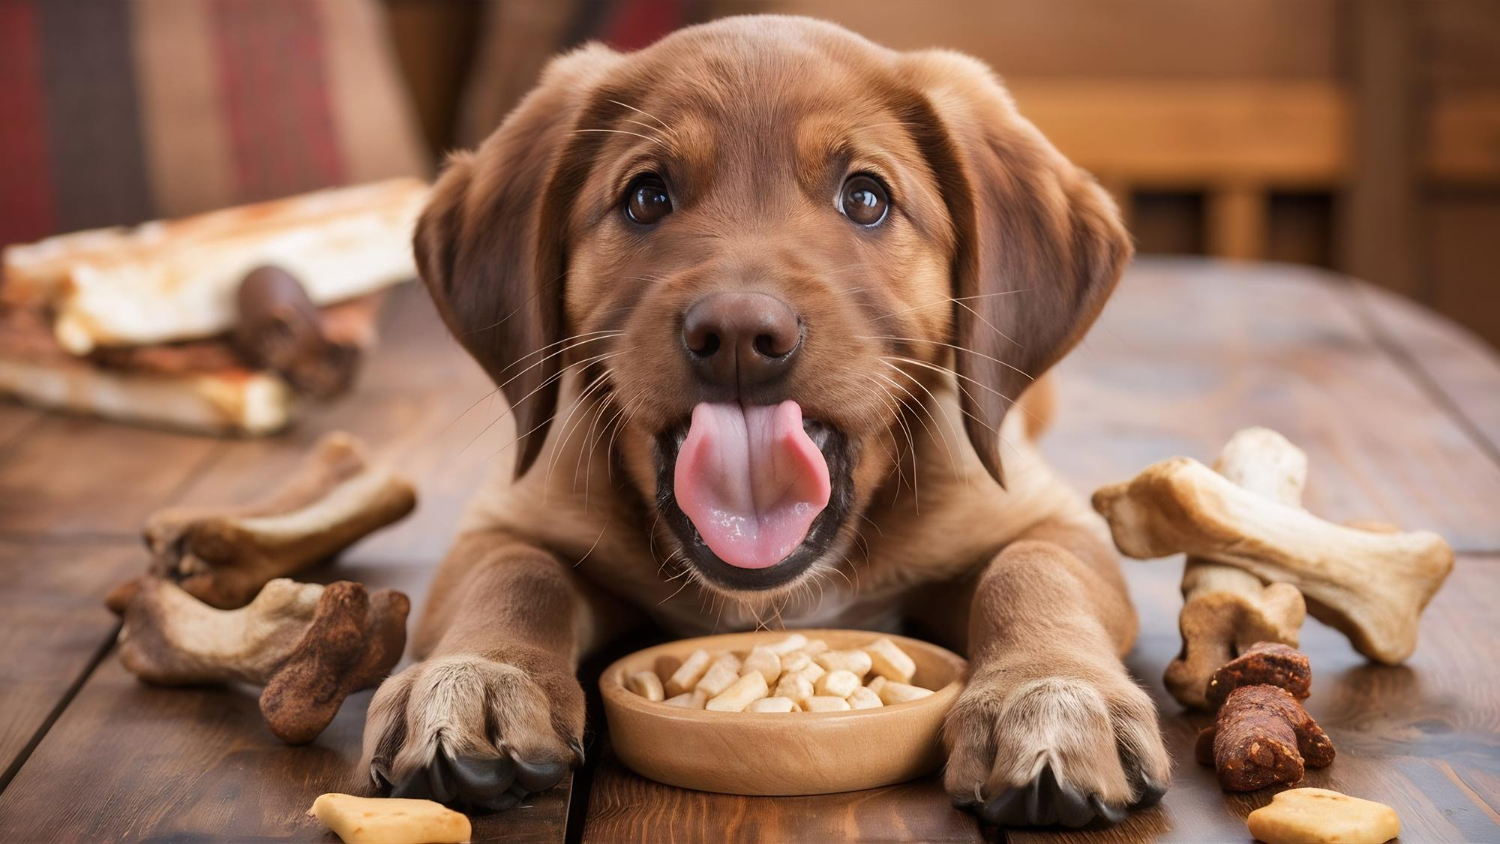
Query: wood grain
53 630
15 422
626 807
1188 352
82 476
1459 366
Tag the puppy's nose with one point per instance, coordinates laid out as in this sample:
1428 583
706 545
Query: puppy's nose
741 338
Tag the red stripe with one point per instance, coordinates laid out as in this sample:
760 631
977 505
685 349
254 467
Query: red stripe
638 23
26 205
272 71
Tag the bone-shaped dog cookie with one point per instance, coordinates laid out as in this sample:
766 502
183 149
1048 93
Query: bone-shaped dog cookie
1372 586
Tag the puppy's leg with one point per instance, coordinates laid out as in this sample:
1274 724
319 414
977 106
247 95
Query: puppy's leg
1051 729
494 711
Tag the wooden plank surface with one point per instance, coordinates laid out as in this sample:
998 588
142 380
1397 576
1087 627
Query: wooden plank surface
1189 351
53 630
627 807
1462 369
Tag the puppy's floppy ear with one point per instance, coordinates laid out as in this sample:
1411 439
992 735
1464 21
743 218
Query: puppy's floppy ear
1039 244
490 244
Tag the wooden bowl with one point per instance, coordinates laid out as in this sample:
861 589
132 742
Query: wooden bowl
765 753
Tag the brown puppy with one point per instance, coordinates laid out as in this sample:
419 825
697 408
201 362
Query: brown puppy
761 298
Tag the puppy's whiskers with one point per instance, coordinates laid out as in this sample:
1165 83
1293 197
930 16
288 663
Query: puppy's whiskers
658 141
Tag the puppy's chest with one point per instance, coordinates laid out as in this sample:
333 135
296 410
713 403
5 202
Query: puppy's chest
701 614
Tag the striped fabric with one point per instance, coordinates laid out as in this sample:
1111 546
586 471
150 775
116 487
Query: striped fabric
116 112
520 37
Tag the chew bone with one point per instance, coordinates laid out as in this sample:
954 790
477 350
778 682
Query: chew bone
1262 736
309 645
1371 586
223 556
1225 609
1263 664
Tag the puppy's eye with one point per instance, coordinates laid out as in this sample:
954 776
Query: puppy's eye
864 200
646 201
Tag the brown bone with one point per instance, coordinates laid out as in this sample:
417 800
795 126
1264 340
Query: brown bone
224 555
311 646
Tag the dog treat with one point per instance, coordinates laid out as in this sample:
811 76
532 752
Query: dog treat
789 681
838 683
695 699
646 684
889 661
891 692
1320 816
687 675
825 703
815 647
1371 586
390 820
722 672
309 645
855 661
280 329
794 642
1262 664
763 660
224 555
750 687
794 686
1226 609
1262 736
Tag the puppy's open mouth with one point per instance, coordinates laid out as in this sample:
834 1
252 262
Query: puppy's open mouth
754 493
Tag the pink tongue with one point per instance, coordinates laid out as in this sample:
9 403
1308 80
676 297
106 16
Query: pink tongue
751 481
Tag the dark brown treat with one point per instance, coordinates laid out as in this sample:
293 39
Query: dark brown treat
1262 736
352 644
281 329
1263 664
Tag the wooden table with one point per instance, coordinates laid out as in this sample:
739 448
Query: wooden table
1398 411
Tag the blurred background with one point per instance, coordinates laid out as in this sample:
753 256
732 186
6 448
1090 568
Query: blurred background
1357 135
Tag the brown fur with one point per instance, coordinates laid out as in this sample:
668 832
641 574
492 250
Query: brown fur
998 256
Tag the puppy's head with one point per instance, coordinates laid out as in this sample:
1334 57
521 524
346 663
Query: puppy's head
756 238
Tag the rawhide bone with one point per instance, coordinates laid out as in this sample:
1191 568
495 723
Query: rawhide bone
224 555
1226 609
309 645
1370 585
1262 735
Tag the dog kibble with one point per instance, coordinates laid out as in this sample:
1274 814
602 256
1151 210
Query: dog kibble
740 694
893 693
838 683
765 661
646 684
790 675
687 675
889 661
724 671
772 704
855 661
825 703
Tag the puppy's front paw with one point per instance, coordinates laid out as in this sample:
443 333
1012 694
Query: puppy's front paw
475 732
1055 750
